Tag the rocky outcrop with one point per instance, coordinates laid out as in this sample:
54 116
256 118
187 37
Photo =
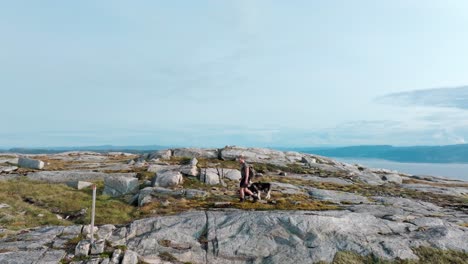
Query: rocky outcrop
160 154
260 155
30 163
284 237
195 153
337 196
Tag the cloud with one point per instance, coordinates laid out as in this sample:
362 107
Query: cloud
455 97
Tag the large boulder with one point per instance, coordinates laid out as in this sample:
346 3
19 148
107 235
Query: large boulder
30 163
210 176
196 153
232 174
189 170
118 186
167 179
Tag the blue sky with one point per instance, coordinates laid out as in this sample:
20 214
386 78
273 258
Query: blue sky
215 73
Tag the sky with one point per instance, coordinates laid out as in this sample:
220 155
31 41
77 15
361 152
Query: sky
239 72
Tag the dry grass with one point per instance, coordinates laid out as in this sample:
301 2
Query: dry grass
55 164
425 254
28 199
435 184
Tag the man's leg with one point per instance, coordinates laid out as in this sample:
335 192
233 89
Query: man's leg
247 191
241 192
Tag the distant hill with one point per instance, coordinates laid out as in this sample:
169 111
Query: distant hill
101 149
421 154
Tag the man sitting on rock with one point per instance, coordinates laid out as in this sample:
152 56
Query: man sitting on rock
245 179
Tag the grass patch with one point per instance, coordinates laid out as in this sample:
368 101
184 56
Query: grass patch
166 256
425 254
194 183
433 255
145 175
435 184
28 199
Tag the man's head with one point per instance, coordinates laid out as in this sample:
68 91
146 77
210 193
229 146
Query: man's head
241 158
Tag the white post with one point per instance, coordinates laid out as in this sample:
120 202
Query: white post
92 213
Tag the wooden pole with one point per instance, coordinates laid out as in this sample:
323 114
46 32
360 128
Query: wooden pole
93 208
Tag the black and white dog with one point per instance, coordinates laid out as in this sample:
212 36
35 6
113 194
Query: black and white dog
259 187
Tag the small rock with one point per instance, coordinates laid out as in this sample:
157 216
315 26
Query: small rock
4 206
97 247
116 256
283 173
105 231
165 203
59 217
87 230
392 178
40 215
194 162
79 184
192 193
82 249
130 257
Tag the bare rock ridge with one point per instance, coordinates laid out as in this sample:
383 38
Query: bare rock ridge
319 207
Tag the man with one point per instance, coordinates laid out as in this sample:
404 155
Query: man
244 182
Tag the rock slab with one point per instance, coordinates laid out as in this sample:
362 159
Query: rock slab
30 163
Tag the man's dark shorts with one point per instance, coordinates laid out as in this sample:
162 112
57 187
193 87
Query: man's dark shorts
243 184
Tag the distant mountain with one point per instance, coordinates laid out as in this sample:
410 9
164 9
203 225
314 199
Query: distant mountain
103 148
421 154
